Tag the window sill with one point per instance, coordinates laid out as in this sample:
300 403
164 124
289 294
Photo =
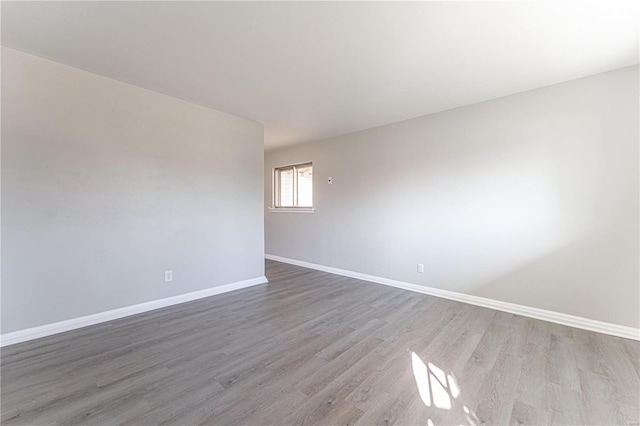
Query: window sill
291 210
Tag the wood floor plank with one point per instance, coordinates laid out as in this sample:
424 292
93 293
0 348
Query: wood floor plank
524 414
567 405
384 411
563 370
495 404
310 347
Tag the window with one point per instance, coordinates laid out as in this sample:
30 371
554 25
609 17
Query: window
293 187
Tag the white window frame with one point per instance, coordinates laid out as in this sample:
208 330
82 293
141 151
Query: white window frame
275 186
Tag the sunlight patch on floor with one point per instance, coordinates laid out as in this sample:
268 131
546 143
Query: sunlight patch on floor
438 389
434 386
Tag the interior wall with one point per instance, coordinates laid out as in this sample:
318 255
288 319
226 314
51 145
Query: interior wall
529 199
106 185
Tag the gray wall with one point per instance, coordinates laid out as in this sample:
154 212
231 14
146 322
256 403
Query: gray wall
530 199
106 185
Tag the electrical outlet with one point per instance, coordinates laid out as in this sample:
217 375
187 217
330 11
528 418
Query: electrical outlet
168 276
420 268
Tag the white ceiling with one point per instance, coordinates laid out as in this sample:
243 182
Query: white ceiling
310 71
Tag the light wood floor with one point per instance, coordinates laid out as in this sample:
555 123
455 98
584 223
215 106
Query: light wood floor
315 348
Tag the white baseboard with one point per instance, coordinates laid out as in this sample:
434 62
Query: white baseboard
75 323
527 311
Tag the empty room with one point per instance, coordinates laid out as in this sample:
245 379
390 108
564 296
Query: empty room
320 213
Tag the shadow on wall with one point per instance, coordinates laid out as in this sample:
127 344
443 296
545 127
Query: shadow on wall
576 278
549 225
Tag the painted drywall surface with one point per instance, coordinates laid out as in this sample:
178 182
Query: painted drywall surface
529 199
106 185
